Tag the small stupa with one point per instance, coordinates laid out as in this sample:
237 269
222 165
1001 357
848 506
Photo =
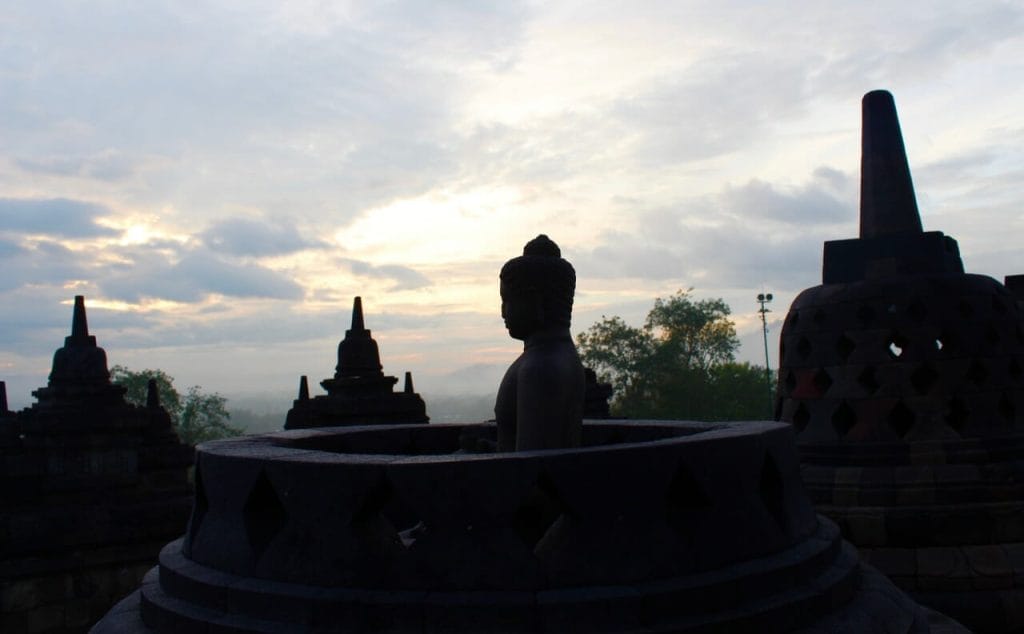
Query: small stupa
92 487
903 378
359 393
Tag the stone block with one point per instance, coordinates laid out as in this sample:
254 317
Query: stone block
474 611
894 562
867 526
991 565
1012 603
943 569
44 618
18 596
79 613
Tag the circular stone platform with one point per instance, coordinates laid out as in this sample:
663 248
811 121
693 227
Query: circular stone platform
650 527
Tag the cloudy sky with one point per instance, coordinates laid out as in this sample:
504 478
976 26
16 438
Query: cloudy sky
221 180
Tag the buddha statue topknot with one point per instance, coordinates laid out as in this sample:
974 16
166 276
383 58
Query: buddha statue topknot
540 400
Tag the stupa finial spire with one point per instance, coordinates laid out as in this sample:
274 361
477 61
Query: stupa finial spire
357 352
408 389
303 388
79 324
357 315
887 201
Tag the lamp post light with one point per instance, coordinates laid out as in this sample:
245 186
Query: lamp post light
764 298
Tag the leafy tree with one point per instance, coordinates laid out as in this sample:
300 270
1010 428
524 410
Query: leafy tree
197 416
679 365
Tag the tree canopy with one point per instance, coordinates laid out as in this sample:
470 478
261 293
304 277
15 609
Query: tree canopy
197 416
681 364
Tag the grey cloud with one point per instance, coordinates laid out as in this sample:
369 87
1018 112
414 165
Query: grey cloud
405 278
710 257
53 216
244 236
41 263
714 109
106 166
825 200
625 255
738 256
888 54
196 275
9 248
741 236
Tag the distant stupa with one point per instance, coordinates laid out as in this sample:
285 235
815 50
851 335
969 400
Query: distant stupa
359 393
92 487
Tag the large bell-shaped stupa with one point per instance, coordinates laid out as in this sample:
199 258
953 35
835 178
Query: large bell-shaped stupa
903 377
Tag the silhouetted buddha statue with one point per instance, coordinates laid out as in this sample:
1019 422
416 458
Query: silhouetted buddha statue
540 401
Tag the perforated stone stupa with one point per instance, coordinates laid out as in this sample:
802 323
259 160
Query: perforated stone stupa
647 527
903 378
359 393
91 489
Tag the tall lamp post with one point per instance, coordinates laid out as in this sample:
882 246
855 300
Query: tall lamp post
764 298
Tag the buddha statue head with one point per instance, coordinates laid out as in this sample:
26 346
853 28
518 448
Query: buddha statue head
537 290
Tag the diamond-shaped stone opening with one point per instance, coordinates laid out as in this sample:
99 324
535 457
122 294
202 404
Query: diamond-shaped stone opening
866 379
845 347
917 311
843 419
901 419
992 336
371 523
956 415
773 492
199 507
866 315
822 381
790 381
803 347
820 317
264 515
998 305
1006 408
965 308
896 344
924 378
1015 370
801 417
538 511
939 344
684 498
977 373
